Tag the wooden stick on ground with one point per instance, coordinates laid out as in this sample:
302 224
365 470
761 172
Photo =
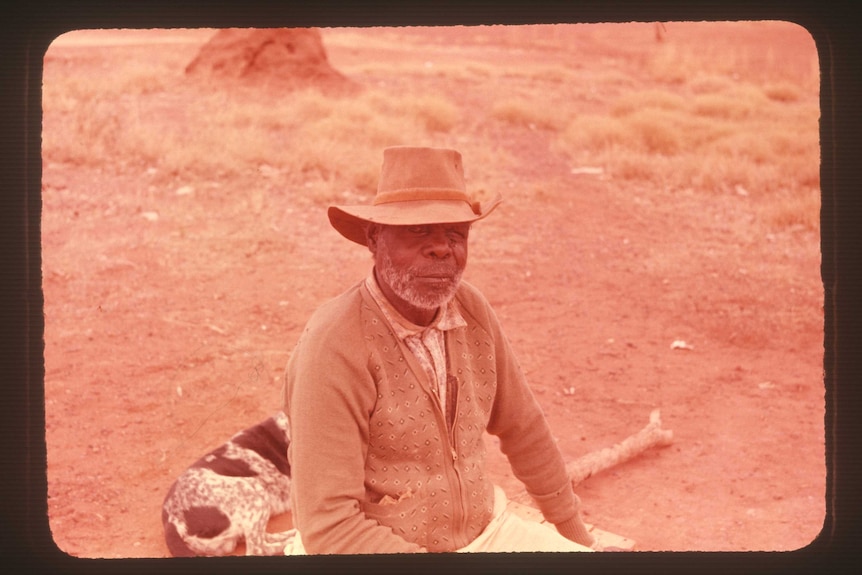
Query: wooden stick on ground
592 463
580 469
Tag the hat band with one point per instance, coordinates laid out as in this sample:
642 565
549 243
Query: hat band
413 194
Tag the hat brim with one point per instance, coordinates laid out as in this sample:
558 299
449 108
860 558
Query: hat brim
351 221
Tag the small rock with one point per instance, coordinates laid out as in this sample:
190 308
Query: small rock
680 344
589 170
268 171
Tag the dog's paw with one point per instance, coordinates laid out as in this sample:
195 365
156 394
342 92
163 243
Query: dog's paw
270 543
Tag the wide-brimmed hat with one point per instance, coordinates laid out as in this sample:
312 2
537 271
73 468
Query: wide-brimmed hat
417 186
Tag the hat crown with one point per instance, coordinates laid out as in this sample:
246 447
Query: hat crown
417 186
417 173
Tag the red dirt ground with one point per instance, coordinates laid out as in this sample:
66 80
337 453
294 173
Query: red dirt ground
165 337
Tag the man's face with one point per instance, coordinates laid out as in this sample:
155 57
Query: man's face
422 265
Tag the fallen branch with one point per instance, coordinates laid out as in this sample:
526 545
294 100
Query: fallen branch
588 465
215 328
592 463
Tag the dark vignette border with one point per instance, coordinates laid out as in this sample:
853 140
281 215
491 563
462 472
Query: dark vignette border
25 539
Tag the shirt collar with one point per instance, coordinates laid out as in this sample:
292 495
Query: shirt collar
448 317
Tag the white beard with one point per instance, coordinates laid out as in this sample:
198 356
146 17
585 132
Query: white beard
403 283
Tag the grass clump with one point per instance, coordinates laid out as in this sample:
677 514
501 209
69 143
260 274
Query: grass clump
736 137
526 114
715 119
303 134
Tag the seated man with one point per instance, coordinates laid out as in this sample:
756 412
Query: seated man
393 384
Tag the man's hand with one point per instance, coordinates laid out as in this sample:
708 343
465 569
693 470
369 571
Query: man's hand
609 548
598 546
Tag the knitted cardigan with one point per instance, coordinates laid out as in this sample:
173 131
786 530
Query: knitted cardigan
375 468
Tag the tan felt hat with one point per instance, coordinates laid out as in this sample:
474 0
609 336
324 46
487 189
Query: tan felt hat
417 186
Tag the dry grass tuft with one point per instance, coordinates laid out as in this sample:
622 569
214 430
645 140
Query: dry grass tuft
303 135
526 114
655 99
707 122
714 135
783 92
793 209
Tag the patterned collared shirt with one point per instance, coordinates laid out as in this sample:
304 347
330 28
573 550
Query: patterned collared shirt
427 343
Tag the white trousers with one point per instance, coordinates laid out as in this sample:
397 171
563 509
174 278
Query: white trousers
507 532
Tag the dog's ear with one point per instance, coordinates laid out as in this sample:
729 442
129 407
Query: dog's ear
267 440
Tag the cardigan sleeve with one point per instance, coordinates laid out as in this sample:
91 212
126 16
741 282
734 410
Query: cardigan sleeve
329 396
526 438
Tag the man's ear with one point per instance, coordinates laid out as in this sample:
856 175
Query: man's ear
371 232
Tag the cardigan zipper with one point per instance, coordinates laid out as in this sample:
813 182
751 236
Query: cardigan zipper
454 395
459 512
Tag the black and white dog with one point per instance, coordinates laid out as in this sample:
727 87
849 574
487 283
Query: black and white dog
230 494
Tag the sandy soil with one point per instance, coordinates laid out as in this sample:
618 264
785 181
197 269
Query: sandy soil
167 334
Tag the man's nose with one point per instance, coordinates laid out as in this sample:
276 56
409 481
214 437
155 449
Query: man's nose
438 246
